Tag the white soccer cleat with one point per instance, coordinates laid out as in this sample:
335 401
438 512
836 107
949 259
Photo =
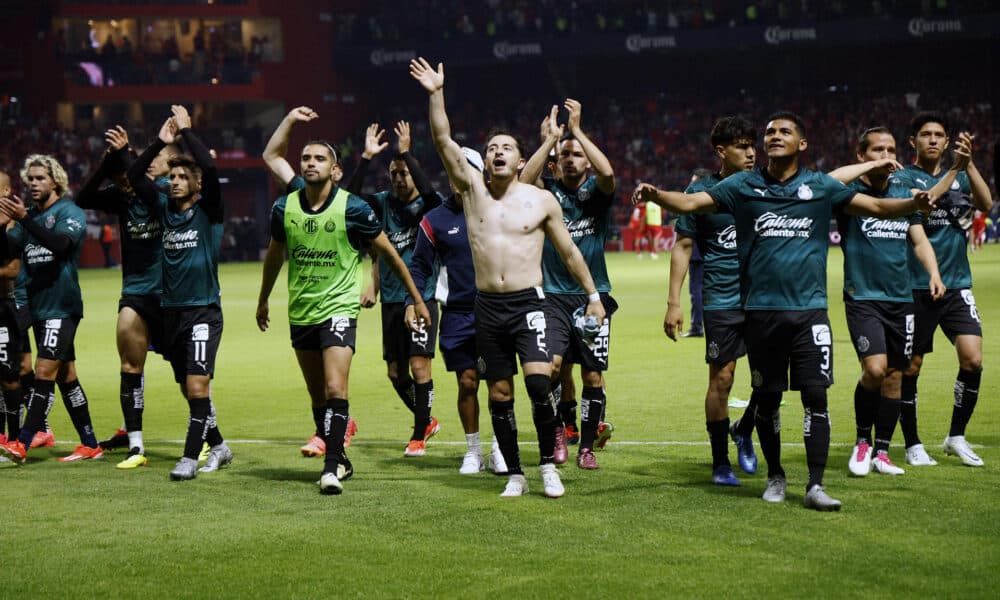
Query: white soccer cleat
551 483
916 456
817 499
775 490
861 460
330 484
497 464
882 464
956 445
472 463
517 486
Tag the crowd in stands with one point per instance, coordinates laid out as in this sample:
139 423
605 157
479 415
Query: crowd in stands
421 20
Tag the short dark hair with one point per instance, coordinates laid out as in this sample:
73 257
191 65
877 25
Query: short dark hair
185 161
788 115
492 133
926 117
864 142
328 145
729 130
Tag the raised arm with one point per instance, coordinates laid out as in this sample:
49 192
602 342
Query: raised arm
924 251
550 133
277 145
211 191
451 153
373 146
600 163
420 180
849 173
555 229
981 197
90 195
680 260
678 202
136 173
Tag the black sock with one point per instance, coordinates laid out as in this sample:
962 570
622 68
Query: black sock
866 404
718 435
406 391
505 428
132 401
744 425
40 401
966 396
908 411
4 420
212 434
816 433
768 421
319 416
76 404
424 399
885 423
592 401
567 413
543 412
197 422
333 428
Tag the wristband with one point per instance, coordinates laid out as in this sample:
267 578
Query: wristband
595 297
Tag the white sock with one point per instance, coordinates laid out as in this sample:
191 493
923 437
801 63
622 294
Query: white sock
135 441
472 441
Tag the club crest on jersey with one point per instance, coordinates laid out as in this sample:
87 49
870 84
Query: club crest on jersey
804 192
583 195
330 226
50 221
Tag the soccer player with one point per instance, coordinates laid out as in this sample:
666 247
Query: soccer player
714 237
140 314
326 229
400 210
879 304
48 240
282 171
653 229
507 224
955 312
192 220
585 201
443 239
11 342
782 217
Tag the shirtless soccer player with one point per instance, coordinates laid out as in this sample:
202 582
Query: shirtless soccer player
508 222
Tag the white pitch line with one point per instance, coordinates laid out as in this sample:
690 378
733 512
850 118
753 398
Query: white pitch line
522 443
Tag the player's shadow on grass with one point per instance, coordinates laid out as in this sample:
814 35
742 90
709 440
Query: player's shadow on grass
302 474
697 475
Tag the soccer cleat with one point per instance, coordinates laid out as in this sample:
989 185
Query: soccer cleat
218 457
415 448
586 460
84 453
882 464
572 435
330 485
314 447
817 499
561 453
723 475
15 450
496 463
344 467
472 463
432 429
775 490
956 445
517 486
745 454
861 460
118 440
604 431
551 483
691 333
916 456
203 455
187 468
135 459
352 428
3 438
43 439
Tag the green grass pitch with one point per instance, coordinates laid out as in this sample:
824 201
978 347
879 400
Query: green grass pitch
648 524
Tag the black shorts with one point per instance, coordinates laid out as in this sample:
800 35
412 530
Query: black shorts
24 323
955 313
509 325
12 339
879 327
54 338
565 340
336 331
192 335
724 336
150 311
398 342
777 340
458 340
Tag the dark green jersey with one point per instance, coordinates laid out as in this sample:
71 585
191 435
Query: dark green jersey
586 212
949 241
783 234
875 263
400 221
192 239
51 281
21 288
715 235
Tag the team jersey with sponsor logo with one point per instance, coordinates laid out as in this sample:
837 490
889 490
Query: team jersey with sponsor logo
52 284
715 238
875 250
400 221
782 233
948 240
586 212
192 240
